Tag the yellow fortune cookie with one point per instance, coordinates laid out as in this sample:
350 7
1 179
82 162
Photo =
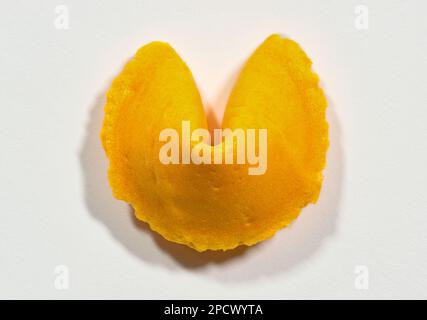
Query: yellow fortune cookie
217 206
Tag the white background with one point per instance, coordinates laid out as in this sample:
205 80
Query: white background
56 205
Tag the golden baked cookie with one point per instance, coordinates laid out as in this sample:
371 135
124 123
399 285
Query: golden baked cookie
217 206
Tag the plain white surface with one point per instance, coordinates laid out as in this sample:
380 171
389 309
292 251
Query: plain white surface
56 205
